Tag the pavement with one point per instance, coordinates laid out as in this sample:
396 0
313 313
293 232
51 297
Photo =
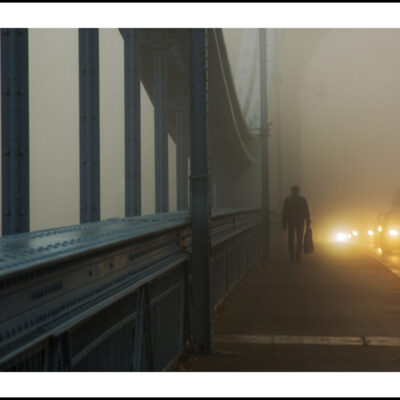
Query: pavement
337 311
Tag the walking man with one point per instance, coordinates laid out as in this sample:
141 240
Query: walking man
295 212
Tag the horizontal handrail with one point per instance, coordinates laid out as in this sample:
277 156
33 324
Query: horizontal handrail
24 251
53 280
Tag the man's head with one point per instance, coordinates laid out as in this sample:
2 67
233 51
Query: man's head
295 190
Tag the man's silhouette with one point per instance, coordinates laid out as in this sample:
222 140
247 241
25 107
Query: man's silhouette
295 212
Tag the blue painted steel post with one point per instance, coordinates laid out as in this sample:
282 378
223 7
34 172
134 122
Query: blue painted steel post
200 204
15 130
161 129
264 141
133 195
89 144
182 131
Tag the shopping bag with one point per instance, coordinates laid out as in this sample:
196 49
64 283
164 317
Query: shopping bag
308 241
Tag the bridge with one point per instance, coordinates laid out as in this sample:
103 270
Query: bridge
205 287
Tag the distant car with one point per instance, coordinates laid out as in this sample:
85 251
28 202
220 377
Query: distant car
387 232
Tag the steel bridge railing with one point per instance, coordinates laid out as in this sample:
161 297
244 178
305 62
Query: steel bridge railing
112 295
124 294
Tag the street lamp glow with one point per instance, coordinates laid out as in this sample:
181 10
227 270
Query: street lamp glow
355 233
371 233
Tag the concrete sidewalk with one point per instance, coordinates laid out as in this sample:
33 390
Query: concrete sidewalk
339 310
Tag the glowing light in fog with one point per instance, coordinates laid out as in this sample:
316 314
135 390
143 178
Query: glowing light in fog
371 233
379 229
355 233
349 235
393 232
341 237
380 250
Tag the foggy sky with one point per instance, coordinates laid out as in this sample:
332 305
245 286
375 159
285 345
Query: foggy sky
350 96
333 103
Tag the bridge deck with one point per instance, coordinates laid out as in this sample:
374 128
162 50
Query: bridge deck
337 311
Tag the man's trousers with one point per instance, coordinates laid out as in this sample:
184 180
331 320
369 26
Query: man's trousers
299 230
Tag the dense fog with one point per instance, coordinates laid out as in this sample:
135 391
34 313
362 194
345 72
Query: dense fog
333 99
333 103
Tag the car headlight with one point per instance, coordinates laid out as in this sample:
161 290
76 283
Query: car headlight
341 237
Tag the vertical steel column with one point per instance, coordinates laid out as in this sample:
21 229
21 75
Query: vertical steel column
133 195
15 130
200 207
182 183
264 141
161 129
89 126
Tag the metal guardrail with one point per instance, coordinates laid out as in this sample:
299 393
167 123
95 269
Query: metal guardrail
237 246
112 295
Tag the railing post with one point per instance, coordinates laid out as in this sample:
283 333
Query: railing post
133 196
200 207
264 142
182 127
161 129
15 130
89 127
